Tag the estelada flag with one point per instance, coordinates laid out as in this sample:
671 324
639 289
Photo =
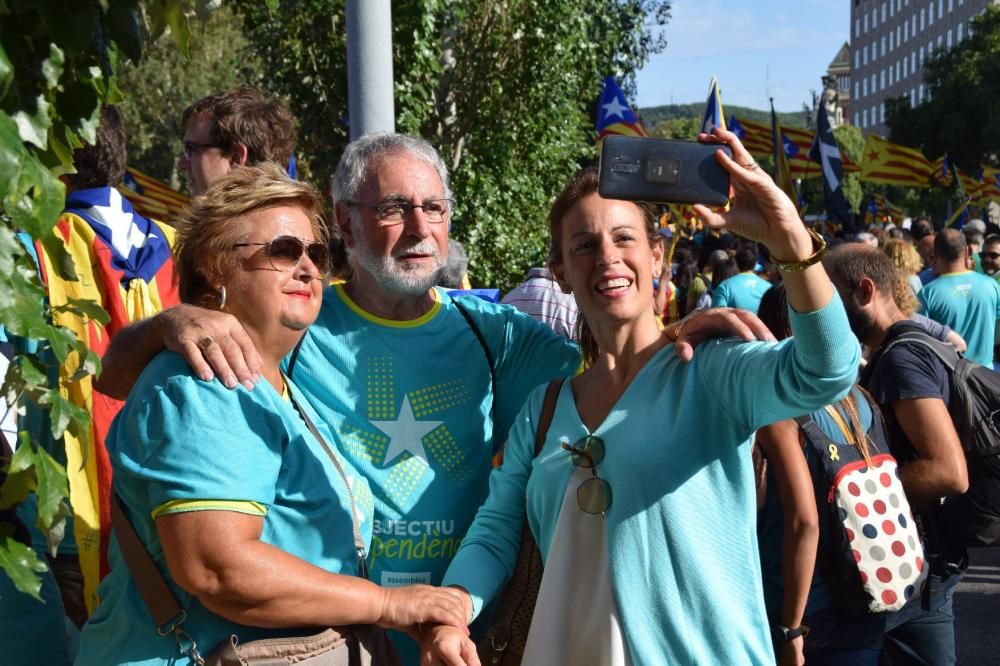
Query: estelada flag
123 263
991 183
756 137
942 171
892 164
614 115
714 114
971 186
150 197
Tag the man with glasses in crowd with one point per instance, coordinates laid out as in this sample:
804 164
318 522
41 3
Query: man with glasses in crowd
232 129
989 256
420 389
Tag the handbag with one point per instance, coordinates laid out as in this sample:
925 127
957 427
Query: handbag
503 644
355 645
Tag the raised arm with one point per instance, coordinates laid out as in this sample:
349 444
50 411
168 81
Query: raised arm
213 343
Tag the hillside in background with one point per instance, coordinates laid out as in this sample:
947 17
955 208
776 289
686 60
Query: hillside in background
654 114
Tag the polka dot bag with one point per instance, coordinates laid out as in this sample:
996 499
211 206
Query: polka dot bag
870 554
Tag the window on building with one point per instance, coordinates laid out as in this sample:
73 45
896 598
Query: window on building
913 28
899 68
951 5
958 36
940 41
864 87
874 81
906 61
947 41
857 60
881 112
874 115
921 20
920 94
882 41
899 35
864 54
930 14
892 8
865 19
913 62
881 79
856 95
857 28
890 74
913 96
874 18
891 39
864 118
940 8
906 31
921 56
856 119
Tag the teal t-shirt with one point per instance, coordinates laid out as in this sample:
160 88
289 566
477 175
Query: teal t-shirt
180 438
410 405
969 303
742 291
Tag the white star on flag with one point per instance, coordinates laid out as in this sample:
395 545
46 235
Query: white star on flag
406 433
614 108
125 234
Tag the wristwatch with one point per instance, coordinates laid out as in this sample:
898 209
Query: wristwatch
783 634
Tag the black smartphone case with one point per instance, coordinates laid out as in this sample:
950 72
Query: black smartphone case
662 171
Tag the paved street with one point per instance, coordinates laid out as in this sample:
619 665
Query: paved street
977 610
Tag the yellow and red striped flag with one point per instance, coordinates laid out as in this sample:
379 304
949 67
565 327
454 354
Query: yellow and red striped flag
151 197
991 184
942 171
892 164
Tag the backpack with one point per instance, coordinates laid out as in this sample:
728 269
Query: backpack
972 519
873 559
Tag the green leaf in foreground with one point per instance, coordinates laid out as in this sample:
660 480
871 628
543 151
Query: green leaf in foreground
20 563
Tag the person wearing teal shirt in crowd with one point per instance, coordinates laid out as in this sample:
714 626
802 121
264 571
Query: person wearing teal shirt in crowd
419 403
642 498
966 301
255 522
745 289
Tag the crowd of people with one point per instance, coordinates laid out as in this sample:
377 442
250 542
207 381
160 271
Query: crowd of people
305 424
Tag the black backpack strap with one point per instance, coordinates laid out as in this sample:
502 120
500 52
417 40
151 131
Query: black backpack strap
295 354
486 351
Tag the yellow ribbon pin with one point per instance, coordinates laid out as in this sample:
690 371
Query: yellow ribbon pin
833 452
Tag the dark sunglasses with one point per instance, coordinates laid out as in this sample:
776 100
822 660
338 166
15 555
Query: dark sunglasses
285 252
594 495
989 255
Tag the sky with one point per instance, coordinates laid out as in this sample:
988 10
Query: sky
756 49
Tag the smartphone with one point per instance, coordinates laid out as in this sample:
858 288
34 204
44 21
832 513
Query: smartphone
639 168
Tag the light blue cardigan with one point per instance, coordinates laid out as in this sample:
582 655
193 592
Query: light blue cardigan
681 528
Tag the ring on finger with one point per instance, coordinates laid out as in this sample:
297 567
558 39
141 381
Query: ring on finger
752 166
205 342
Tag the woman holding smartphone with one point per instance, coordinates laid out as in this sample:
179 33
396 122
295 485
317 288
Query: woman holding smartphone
642 498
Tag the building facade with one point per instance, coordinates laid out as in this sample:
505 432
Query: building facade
837 88
890 40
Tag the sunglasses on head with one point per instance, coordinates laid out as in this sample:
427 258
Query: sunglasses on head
285 252
594 494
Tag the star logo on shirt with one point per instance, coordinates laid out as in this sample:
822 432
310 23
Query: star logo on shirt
406 433
614 108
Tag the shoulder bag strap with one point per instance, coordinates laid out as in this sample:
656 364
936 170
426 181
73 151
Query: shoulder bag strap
486 351
359 543
548 409
159 598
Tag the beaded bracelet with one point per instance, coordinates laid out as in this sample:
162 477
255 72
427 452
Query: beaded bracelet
815 258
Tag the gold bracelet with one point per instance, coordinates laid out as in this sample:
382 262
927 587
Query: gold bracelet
815 258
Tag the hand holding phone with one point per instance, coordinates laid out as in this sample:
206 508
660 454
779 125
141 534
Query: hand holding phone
663 171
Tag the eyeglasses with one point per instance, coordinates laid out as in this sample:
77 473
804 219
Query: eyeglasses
594 495
284 253
390 213
990 255
189 148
